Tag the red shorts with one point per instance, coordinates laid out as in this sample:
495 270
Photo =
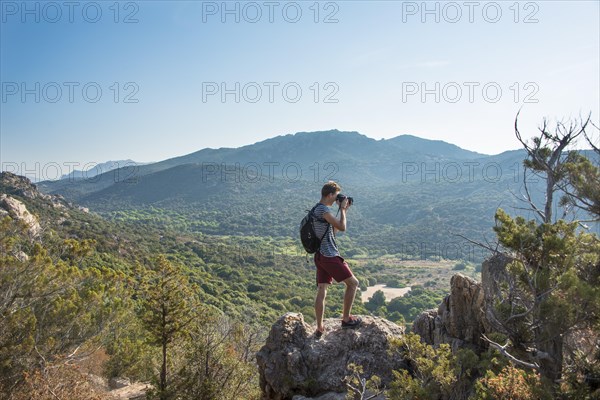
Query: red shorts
330 268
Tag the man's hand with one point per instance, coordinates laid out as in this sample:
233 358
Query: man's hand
345 204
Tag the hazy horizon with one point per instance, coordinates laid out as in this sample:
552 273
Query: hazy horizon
37 171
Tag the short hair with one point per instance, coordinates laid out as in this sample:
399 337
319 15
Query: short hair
330 187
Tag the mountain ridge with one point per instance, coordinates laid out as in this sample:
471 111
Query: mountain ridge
100 168
344 148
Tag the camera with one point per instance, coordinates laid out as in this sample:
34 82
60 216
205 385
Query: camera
340 197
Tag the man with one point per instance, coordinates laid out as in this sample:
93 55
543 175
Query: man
330 265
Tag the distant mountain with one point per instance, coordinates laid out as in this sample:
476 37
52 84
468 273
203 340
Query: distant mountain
98 169
432 147
323 146
348 157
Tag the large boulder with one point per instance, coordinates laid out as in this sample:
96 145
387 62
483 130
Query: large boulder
294 364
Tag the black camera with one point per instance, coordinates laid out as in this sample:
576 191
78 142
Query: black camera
340 197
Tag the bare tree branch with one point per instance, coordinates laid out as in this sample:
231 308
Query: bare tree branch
505 353
487 247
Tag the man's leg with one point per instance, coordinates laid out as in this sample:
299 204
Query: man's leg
351 286
320 305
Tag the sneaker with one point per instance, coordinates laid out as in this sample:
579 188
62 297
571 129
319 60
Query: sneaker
318 334
353 322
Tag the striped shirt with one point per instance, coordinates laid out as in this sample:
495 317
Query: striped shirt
328 245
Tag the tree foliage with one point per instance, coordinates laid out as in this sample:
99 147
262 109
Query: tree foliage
553 289
434 373
167 308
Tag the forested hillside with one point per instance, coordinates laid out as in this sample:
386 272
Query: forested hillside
84 281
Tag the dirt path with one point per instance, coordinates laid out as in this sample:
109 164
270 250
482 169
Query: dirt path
389 293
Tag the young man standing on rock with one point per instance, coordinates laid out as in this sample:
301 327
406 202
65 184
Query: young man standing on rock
330 265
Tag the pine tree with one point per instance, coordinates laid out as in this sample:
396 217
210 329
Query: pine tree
168 307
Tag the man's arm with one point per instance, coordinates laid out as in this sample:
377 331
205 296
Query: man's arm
338 224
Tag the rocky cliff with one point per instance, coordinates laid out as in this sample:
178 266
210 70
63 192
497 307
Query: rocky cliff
460 319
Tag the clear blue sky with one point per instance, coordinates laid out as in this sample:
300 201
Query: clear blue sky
375 61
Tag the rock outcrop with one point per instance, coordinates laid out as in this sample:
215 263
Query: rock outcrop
17 193
468 311
494 274
17 210
18 185
460 319
293 364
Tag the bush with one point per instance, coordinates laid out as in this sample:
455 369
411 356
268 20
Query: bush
395 283
460 266
434 370
397 318
511 383
57 382
376 301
